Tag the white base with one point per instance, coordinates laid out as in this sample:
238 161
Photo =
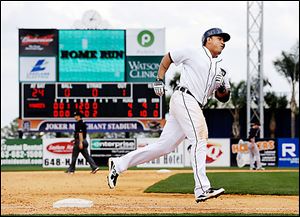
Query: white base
163 171
73 202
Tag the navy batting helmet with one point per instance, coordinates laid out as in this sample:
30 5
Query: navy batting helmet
215 31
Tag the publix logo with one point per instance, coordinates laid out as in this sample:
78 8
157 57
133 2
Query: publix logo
145 38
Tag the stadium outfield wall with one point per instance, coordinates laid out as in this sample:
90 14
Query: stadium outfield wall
221 152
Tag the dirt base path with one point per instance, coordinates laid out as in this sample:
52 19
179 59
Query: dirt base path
35 193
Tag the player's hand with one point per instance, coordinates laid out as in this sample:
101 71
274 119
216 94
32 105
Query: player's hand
159 87
80 146
219 80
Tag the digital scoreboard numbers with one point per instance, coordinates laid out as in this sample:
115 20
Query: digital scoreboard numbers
36 99
93 90
93 100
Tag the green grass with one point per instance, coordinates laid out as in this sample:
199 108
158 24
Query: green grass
263 183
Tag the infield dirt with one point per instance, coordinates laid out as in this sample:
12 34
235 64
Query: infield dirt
35 193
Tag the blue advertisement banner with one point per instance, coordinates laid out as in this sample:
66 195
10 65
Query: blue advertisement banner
288 152
92 55
106 126
96 126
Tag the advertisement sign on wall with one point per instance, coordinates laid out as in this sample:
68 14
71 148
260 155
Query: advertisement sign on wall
217 154
142 68
145 42
91 55
102 149
288 152
240 153
21 151
38 42
57 153
37 69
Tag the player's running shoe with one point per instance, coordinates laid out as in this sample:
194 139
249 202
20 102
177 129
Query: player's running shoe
210 193
112 175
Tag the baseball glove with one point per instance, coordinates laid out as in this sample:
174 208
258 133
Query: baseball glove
222 94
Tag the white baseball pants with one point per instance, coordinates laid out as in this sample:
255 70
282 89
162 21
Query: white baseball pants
186 120
254 155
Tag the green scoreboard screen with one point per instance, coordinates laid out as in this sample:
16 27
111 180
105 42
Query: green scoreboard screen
91 55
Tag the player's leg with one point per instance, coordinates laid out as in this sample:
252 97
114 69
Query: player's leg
257 157
251 155
171 136
75 154
192 121
89 159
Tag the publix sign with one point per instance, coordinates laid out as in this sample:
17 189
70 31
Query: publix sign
145 38
145 42
142 68
144 50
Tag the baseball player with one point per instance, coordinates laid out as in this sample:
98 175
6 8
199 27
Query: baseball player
200 79
253 149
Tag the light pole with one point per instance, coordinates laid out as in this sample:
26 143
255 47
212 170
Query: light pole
293 100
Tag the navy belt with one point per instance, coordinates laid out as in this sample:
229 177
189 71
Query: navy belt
185 90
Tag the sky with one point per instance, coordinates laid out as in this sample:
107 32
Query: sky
184 23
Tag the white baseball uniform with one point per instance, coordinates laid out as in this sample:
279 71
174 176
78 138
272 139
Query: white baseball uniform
254 155
185 116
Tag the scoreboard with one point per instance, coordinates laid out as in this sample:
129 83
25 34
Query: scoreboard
106 74
94 100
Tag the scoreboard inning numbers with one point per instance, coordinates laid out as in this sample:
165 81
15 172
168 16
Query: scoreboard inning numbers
93 100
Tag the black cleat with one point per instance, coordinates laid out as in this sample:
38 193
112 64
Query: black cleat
69 172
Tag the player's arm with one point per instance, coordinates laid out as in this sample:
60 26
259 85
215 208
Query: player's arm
159 85
164 66
80 140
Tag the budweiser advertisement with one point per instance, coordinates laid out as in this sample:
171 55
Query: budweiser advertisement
38 42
